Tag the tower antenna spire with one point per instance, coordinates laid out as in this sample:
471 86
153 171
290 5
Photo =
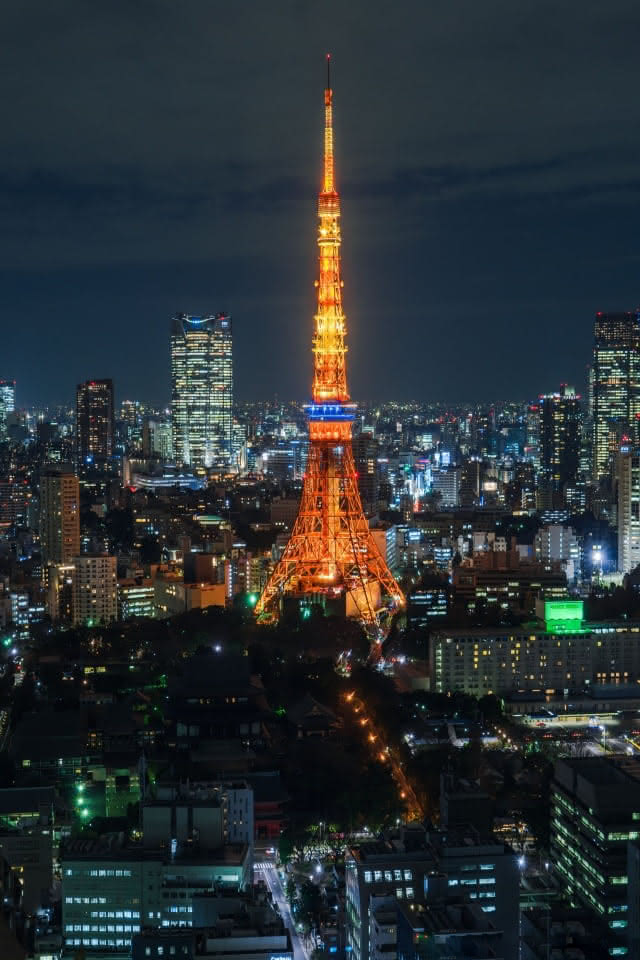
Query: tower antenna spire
329 183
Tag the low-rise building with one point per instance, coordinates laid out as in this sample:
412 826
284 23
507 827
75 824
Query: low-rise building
136 598
110 890
445 928
225 927
476 869
502 579
173 596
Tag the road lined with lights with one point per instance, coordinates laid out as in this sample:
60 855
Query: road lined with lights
385 754
272 879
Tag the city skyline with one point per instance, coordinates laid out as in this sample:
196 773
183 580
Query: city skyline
164 189
355 675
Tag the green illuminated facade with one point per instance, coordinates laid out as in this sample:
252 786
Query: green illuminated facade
564 616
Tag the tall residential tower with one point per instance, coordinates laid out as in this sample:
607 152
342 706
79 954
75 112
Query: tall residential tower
59 515
94 421
560 415
202 390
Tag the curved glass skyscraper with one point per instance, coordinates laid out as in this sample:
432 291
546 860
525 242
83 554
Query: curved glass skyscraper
202 390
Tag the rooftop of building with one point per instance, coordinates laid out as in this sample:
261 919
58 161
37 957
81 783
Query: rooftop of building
448 916
207 941
113 847
415 842
538 628
206 802
210 675
25 799
608 785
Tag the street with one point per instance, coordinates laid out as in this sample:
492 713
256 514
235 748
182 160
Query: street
386 754
271 877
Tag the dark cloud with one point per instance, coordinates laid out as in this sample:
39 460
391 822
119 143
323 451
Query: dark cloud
159 156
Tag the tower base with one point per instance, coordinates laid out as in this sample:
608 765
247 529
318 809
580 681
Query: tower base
331 553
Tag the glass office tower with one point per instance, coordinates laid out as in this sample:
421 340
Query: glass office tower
616 386
202 390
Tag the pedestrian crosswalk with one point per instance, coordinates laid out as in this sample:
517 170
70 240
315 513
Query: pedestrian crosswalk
264 865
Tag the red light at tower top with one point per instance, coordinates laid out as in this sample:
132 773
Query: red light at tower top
331 551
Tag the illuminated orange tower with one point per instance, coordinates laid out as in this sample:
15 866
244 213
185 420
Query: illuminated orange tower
331 552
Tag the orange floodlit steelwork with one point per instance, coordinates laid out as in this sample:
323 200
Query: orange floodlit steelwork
331 551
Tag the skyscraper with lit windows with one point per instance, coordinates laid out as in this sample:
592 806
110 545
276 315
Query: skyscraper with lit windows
616 385
7 404
94 421
59 515
560 415
202 390
628 477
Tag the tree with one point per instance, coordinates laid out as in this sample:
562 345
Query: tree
310 906
286 846
490 708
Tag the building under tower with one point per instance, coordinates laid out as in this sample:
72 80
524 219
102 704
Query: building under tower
202 390
331 557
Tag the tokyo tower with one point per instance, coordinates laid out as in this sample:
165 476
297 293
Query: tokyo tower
331 553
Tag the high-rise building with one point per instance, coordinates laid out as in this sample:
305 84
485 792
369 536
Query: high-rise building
157 439
365 455
131 424
557 543
59 516
446 482
560 415
628 507
202 390
7 404
616 385
532 434
95 589
595 808
15 496
94 421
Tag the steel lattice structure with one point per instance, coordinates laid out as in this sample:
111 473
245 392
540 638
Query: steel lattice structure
331 550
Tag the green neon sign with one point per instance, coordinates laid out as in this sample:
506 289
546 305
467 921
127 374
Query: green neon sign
563 615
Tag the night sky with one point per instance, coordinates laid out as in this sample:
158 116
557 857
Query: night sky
165 155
